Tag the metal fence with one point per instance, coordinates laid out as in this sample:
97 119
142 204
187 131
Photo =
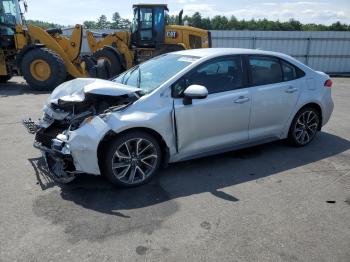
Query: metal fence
327 51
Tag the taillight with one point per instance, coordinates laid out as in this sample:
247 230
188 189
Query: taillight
328 83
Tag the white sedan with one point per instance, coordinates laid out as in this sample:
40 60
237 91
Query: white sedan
180 106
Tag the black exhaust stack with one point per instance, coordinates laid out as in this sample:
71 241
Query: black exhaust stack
210 43
180 17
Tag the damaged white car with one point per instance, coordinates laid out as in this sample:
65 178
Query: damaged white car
176 107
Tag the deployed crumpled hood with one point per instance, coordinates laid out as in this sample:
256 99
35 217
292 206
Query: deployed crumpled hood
75 90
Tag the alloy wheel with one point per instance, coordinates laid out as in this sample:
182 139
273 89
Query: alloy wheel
134 161
306 127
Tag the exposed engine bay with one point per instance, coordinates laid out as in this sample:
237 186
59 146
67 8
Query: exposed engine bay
68 108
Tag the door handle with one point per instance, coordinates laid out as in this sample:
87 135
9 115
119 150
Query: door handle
291 90
241 100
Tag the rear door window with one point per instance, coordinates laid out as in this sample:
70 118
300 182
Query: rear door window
265 70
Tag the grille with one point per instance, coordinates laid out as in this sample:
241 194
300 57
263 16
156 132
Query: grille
195 41
45 136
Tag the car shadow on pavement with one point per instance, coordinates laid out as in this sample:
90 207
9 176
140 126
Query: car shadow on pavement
208 174
13 88
90 208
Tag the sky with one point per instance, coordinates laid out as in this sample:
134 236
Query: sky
70 12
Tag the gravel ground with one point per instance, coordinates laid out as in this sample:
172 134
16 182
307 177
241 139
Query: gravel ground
267 203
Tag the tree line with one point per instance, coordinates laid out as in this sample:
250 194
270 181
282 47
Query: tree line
102 23
215 23
221 22
43 24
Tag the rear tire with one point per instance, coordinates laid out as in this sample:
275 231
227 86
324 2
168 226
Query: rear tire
132 159
304 127
112 59
4 79
43 69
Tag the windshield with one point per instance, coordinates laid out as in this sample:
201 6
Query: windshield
153 73
134 21
9 12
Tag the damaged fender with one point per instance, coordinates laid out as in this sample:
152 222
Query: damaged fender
83 144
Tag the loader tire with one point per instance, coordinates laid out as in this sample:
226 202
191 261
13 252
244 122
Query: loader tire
4 79
113 61
43 69
102 69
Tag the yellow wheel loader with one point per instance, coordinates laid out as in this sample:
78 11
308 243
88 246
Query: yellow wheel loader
44 58
149 37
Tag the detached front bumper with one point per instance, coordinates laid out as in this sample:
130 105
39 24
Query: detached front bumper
59 164
57 158
70 152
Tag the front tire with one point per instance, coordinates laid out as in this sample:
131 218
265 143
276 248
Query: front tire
304 127
43 69
132 159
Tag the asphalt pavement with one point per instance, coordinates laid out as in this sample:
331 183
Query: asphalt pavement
267 203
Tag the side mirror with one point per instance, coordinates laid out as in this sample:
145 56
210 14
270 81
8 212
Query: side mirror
194 92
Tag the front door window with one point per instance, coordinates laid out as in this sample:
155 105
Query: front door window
217 76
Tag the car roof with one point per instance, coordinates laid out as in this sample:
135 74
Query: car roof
208 53
213 52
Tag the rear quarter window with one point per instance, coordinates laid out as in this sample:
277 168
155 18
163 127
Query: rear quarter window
291 72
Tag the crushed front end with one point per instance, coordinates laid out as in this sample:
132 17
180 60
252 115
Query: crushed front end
72 126
52 141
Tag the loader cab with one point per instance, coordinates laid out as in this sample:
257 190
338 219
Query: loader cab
10 16
148 26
